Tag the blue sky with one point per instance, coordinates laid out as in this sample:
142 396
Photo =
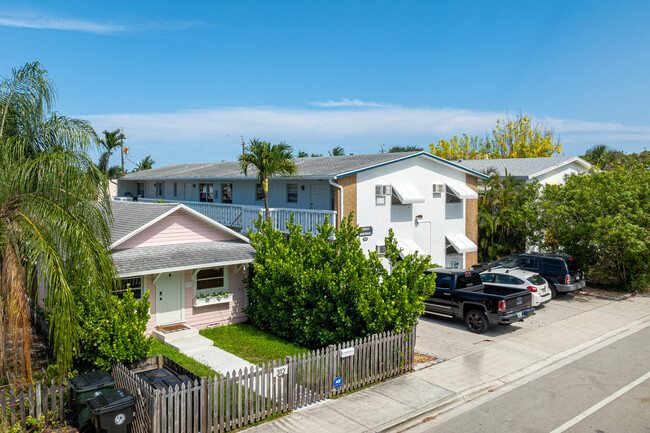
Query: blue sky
186 79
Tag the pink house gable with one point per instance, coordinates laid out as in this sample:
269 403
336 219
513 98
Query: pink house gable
179 227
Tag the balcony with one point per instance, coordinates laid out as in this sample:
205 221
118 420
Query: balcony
240 218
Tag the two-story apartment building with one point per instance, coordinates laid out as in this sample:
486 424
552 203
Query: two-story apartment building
429 202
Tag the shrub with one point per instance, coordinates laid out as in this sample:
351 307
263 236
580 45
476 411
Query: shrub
315 291
113 331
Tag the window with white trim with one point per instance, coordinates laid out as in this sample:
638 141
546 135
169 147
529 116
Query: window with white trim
292 193
136 287
211 280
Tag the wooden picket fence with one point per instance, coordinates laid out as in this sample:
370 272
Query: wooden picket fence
248 396
48 401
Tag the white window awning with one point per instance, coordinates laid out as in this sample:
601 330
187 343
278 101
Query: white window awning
461 190
407 194
409 247
461 243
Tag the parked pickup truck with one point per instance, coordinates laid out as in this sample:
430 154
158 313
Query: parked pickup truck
461 293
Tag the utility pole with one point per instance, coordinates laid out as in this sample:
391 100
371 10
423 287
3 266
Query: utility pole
122 149
243 146
382 148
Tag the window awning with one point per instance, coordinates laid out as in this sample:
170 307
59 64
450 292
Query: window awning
462 243
461 190
409 247
407 194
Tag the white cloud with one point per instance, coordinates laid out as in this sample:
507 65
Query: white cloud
358 129
55 23
43 22
347 102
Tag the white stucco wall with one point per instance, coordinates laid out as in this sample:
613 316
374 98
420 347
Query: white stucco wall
438 217
557 175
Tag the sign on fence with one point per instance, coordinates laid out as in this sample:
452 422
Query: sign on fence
338 382
280 371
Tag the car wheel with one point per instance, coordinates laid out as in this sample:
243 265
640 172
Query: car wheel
476 321
553 290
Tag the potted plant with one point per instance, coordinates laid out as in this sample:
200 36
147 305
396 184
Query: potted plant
213 298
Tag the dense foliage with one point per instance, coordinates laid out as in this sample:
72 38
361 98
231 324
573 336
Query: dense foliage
113 331
513 138
315 291
603 219
52 216
507 214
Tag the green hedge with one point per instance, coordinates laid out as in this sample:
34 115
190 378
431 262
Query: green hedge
315 291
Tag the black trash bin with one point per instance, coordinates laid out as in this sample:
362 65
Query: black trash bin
87 386
112 412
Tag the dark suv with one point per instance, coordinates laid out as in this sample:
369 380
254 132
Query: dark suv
563 273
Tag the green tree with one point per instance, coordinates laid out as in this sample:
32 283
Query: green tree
512 138
322 289
302 154
397 149
145 164
111 141
52 216
506 215
112 172
602 219
268 160
337 151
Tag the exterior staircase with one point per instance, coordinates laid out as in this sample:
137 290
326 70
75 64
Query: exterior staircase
185 341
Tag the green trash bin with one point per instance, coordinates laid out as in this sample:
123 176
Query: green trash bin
87 386
112 412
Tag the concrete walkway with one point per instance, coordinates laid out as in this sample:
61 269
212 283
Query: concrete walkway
190 343
514 358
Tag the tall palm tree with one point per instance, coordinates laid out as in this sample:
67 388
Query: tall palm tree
145 164
337 151
54 223
111 141
268 160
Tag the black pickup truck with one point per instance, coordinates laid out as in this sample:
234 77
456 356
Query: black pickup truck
461 293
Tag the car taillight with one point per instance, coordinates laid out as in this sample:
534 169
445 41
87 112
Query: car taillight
532 288
502 305
567 279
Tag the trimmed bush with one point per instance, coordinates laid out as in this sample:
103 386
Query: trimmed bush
315 291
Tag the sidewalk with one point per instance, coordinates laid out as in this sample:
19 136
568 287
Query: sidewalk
405 401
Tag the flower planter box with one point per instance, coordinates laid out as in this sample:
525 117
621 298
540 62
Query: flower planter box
203 302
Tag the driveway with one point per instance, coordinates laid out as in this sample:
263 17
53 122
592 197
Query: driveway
447 338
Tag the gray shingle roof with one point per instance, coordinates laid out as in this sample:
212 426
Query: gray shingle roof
147 260
323 166
518 167
128 217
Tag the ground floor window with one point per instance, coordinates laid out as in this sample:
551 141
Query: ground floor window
226 193
206 192
140 192
212 280
136 287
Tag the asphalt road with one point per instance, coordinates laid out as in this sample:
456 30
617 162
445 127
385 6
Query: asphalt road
605 391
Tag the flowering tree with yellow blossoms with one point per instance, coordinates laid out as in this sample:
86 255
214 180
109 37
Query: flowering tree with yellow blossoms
515 138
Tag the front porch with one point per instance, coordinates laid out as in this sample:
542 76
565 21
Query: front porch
241 217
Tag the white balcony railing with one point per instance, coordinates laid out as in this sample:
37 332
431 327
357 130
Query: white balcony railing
241 217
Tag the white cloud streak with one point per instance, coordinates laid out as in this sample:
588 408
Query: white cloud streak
347 102
359 129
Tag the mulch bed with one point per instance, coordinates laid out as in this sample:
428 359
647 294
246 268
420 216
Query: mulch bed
609 294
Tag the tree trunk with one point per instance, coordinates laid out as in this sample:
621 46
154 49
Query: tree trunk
266 199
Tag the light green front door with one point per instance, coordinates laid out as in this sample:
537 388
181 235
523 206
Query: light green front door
169 298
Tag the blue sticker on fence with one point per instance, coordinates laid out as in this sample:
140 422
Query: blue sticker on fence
338 382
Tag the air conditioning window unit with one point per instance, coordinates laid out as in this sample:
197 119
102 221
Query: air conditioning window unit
383 190
438 188
381 249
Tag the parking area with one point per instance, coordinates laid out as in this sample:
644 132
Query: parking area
448 338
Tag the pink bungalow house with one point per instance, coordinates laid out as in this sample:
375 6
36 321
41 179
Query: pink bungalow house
192 265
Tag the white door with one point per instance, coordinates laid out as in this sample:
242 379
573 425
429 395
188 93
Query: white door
319 196
169 291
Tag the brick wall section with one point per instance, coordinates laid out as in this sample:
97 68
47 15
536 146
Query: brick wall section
471 222
349 184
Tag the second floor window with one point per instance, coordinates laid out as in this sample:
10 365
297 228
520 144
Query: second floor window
292 193
206 192
160 189
259 191
226 193
175 189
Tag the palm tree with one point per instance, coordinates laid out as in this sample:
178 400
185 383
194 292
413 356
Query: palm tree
54 223
145 164
337 151
111 141
269 160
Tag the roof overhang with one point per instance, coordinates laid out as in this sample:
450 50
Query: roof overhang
407 194
581 162
461 243
183 268
461 190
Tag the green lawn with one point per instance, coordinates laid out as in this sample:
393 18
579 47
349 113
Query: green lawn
251 343
195 367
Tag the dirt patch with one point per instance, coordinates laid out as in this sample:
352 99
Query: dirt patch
609 294
421 358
